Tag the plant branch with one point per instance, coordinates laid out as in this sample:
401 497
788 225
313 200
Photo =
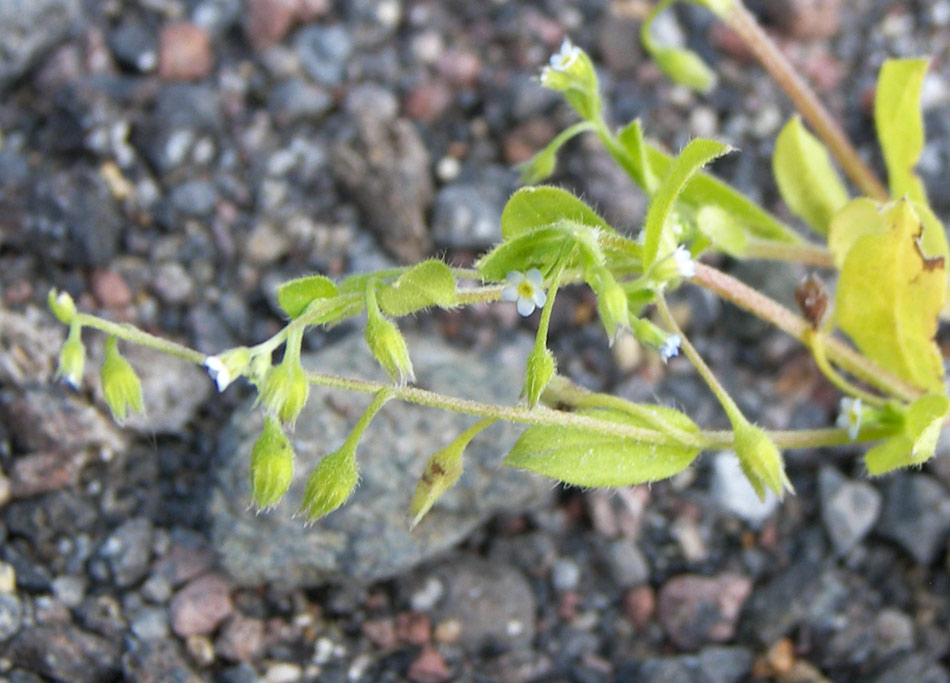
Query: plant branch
770 310
804 253
805 100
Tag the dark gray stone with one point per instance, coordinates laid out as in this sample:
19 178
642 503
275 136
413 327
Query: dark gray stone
627 564
128 550
29 29
295 100
195 197
65 653
710 665
915 667
916 515
492 601
806 591
11 616
134 45
849 509
467 214
155 661
323 52
369 538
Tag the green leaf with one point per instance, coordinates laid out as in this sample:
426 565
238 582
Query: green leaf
685 67
539 248
634 160
426 284
533 207
917 441
586 458
807 181
890 293
703 189
900 125
659 240
296 295
858 217
723 230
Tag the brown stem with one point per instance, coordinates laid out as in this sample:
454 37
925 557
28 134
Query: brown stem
805 100
770 310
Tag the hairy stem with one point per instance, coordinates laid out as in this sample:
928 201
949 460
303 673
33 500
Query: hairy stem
805 100
770 310
805 253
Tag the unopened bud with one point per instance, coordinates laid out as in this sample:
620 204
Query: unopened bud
285 390
272 465
72 358
62 306
571 72
760 460
330 484
539 371
120 385
389 348
612 305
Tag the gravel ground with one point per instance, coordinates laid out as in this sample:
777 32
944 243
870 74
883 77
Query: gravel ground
168 162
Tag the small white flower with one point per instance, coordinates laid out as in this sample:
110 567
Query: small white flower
525 288
562 60
684 262
850 416
670 348
218 371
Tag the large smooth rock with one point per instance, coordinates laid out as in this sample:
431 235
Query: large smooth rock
369 538
29 29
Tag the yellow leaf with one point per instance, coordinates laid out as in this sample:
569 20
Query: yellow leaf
890 293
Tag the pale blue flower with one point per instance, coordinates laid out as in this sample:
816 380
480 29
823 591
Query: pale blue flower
526 289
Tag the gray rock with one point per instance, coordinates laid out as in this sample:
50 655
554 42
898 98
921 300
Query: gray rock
915 667
384 165
65 653
128 550
628 566
467 214
849 509
369 539
710 665
565 575
69 590
134 45
806 591
323 52
150 623
492 601
151 661
295 100
11 616
29 29
195 197
916 515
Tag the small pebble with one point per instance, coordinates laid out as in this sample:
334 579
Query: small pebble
7 578
283 672
565 575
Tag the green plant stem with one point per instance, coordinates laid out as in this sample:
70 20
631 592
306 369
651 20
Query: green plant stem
804 253
805 100
137 336
770 310
814 340
725 400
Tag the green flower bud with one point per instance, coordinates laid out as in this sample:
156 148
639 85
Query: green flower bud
228 366
666 344
120 385
571 72
272 465
686 68
538 167
540 370
442 470
760 460
72 358
62 306
612 306
330 484
285 390
389 348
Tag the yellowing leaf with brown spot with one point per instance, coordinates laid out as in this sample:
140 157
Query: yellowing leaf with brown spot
889 295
